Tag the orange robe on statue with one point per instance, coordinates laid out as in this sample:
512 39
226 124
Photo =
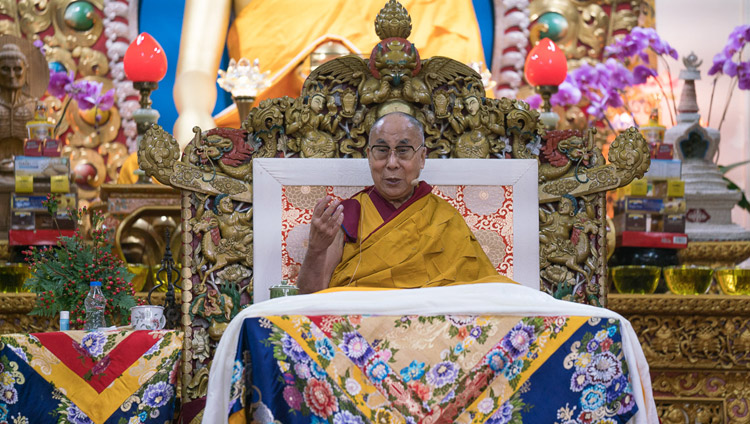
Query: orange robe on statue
283 33
424 243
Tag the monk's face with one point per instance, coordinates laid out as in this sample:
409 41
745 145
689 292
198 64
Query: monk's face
393 175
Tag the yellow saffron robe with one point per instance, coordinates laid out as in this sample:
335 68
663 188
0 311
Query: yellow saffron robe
283 33
427 244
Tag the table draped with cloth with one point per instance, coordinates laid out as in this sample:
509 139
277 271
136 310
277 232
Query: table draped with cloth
476 353
113 377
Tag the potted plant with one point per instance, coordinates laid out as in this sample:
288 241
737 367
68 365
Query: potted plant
61 274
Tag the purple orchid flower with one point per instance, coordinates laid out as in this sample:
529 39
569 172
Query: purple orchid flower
585 75
613 99
88 94
618 75
719 61
641 74
637 42
107 100
535 101
737 38
567 94
91 97
39 44
722 61
58 83
730 68
85 93
743 73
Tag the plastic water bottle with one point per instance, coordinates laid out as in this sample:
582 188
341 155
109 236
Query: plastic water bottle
94 304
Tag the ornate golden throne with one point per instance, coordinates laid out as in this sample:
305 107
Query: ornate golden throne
339 102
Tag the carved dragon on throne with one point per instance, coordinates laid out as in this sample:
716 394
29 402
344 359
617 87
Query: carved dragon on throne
339 103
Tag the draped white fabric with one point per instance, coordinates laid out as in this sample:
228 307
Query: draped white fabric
473 299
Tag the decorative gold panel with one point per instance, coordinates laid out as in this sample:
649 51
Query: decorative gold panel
698 350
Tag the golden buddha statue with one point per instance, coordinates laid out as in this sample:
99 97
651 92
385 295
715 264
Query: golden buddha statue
283 33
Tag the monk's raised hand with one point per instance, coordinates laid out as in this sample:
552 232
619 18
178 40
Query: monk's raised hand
326 223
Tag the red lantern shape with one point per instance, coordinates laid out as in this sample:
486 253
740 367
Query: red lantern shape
546 64
145 60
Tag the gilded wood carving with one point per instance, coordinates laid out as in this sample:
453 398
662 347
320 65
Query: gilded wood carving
339 102
697 350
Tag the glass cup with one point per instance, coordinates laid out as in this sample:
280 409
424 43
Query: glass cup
636 279
734 281
283 289
688 279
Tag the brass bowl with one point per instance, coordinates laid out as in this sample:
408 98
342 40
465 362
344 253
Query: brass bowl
734 280
140 272
636 279
12 277
688 279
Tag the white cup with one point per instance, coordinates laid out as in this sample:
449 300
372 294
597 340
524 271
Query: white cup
147 317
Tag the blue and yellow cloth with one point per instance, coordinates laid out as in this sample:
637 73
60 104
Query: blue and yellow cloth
431 369
89 377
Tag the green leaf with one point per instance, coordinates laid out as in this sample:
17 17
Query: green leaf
726 168
743 203
453 331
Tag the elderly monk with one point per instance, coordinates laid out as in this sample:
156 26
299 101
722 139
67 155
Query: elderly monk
396 233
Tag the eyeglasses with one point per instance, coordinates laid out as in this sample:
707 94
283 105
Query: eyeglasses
402 152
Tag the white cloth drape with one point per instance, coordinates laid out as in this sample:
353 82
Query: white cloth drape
472 299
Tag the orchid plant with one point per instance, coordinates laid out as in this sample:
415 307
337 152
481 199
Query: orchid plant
88 94
724 64
604 84
739 71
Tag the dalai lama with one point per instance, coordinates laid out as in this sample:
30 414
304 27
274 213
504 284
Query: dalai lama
396 233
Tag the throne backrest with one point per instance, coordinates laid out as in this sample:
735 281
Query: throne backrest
497 199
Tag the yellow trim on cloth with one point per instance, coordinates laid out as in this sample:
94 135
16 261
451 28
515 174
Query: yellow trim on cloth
337 368
427 244
546 347
98 406
499 387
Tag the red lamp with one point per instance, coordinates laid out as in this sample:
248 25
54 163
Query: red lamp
145 64
145 60
545 68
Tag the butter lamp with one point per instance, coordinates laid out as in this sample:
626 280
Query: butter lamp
545 68
145 64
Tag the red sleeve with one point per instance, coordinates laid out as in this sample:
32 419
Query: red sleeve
352 210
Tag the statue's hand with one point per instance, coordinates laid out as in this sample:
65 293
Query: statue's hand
189 118
325 224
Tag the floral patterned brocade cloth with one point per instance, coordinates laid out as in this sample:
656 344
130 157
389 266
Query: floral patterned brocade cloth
430 369
122 377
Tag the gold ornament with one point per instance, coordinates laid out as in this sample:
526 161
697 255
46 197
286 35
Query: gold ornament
393 21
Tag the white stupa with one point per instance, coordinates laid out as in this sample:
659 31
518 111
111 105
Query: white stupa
709 201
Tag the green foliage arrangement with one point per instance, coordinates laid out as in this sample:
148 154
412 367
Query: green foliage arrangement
60 275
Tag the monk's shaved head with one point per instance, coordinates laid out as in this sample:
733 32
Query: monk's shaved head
410 121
